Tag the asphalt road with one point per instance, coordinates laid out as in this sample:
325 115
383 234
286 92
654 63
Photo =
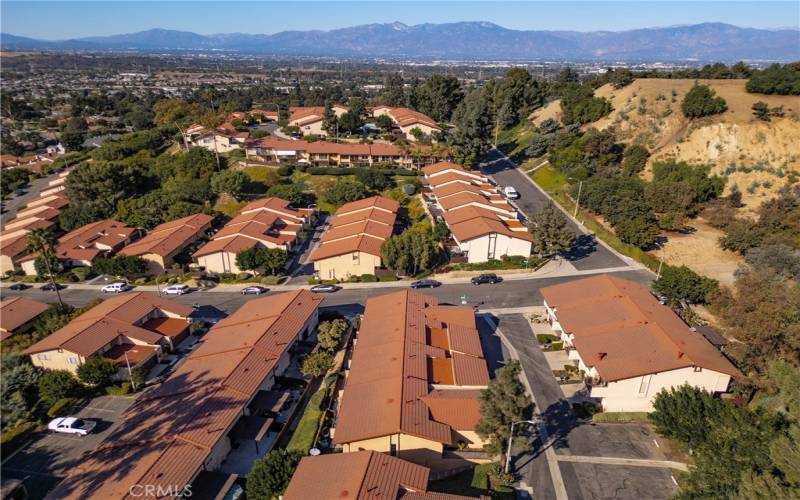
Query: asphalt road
587 253
510 293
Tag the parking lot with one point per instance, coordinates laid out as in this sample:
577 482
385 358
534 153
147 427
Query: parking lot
43 462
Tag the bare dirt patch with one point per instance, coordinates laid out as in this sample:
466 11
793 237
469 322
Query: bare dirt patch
700 252
550 110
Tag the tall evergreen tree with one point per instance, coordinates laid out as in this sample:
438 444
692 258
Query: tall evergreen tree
502 403
550 232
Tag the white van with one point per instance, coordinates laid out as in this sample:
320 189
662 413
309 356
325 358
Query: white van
176 290
115 287
510 193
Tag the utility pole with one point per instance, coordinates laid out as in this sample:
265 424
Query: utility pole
578 201
130 372
496 129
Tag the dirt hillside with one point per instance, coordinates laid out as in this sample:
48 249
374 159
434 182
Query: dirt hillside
756 156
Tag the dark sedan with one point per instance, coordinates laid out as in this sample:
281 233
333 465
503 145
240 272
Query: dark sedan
19 286
486 278
52 288
425 284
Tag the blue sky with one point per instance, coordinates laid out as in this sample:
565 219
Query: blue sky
65 19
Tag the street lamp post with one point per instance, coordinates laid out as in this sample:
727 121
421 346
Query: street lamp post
578 200
511 438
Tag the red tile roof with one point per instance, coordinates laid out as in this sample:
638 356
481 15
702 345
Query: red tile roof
170 237
93 240
103 323
389 372
17 311
360 476
622 330
358 226
167 436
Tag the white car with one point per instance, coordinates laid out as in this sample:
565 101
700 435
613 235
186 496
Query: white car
71 425
176 290
510 193
115 287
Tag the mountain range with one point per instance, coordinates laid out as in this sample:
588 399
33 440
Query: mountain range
463 40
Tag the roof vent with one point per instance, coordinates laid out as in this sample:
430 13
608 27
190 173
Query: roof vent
601 355
680 354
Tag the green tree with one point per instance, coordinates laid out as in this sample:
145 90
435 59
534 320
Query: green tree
317 364
329 333
41 241
550 231
701 100
761 111
57 384
345 190
373 179
579 105
271 260
293 194
329 119
384 122
503 402
120 265
19 387
474 126
393 92
351 122
411 252
438 96
271 474
97 371
634 159
232 182
777 79
684 413
682 284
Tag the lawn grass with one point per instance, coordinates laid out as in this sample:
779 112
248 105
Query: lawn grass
306 430
261 173
555 184
471 483
620 416
230 208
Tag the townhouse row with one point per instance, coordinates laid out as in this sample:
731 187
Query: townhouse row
483 225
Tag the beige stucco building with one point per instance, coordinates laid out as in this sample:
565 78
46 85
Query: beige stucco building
629 346
351 246
413 382
164 242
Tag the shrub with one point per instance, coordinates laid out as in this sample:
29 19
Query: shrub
243 276
369 278
314 281
60 406
57 384
271 474
271 280
119 390
82 273
353 279
317 364
701 100
97 371
388 277
681 283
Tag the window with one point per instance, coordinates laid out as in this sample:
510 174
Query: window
73 360
698 369
43 357
61 350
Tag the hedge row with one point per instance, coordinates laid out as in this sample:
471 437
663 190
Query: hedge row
355 170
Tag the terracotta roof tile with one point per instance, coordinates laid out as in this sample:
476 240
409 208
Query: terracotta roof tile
622 330
170 237
17 311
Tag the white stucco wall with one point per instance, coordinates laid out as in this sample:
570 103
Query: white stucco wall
478 248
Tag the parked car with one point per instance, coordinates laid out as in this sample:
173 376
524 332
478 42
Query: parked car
486 278
426 283
325 288
510 193
49 287
19 286
118 287
255 290
176 290
71 425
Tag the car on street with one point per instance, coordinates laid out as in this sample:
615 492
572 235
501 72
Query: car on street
486 278
325 288
254 290
118 287
19 286
49 287
511 193
426 283
176 290
72 425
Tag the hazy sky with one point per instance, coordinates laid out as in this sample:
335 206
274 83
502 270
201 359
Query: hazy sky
65 19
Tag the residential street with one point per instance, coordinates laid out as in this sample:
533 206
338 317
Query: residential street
14 203
587 252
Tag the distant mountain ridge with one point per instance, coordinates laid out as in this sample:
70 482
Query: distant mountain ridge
463 40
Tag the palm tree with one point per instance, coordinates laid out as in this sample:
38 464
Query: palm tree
40 240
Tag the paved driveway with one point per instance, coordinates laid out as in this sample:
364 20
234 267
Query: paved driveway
572 436
47 459
586 253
